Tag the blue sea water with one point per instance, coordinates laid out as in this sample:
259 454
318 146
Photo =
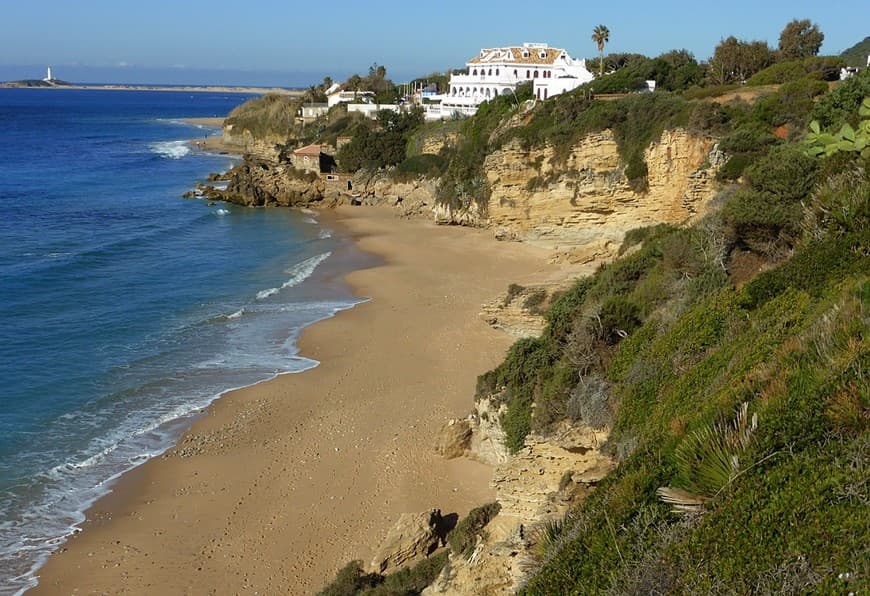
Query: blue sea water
126 309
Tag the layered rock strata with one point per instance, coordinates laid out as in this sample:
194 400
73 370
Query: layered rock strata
582 201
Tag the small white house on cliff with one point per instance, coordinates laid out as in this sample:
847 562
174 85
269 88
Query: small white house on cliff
498 71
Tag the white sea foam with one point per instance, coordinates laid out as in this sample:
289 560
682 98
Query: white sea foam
324 234
170 149
236 314
222 212
310 220
298 273
263 294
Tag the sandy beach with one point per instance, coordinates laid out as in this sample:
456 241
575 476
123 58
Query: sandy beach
213 143
279 485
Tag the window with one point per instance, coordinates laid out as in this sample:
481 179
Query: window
515 73
490 72
545 93
475 72
536 74
496 72
528 74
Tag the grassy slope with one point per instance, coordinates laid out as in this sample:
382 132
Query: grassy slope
663 345
792 343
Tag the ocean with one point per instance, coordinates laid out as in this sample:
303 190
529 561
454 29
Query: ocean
126 309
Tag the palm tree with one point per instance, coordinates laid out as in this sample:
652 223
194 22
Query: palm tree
601 35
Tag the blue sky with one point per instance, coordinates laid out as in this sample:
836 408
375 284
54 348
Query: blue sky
295 43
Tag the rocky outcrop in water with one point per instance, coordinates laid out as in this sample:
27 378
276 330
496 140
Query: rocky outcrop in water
258 182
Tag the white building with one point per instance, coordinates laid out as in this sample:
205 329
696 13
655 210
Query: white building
336 95
498 71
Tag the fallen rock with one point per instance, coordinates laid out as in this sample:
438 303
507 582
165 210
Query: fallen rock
413 538
453 439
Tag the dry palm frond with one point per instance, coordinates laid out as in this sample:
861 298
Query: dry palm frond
681 500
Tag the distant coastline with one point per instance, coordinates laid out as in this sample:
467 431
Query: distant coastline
186 88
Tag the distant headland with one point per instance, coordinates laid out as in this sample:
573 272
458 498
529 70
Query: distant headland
49 82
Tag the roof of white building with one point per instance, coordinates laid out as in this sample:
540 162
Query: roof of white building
527 54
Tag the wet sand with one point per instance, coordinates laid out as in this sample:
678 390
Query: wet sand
279 485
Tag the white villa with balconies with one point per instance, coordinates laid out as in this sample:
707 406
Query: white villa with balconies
498 71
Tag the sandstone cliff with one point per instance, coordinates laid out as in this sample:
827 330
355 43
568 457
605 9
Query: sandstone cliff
533 487
262 148
582 204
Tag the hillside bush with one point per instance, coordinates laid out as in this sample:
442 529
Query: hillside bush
423 165
841 105
792 103
267 117
735 166
790 343
821 68
767 214
463 538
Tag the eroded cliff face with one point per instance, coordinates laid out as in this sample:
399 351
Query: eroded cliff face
536 485
583 201
261 148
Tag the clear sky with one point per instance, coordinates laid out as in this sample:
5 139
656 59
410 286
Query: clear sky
297 42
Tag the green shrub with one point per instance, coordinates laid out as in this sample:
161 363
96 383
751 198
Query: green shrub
811 269
750 137
266 117
423 165
351 580
636 236
533 301
709 91
841 205
735 166
767 214
792 103
841 105
619 317
372 148
760 220
517 423
463 538
786 172
411 580
822 68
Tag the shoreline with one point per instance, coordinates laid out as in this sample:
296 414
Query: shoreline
184 88
278 485
212 143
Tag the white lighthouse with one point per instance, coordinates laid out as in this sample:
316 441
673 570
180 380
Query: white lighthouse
48 78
